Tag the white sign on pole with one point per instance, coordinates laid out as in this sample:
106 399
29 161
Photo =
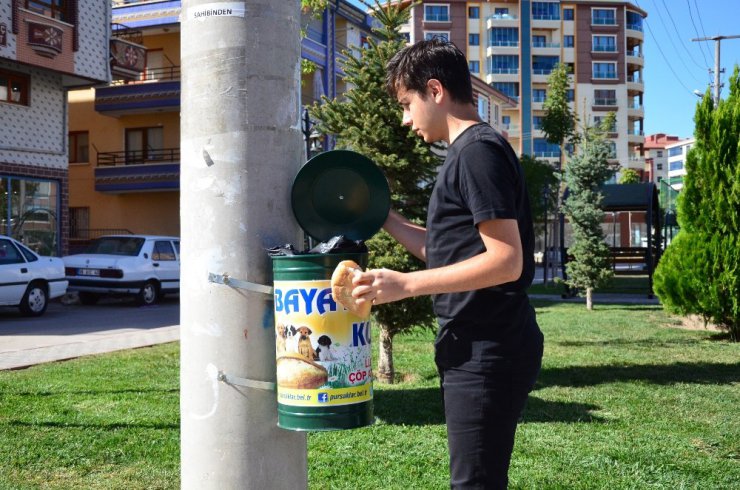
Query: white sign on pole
220 9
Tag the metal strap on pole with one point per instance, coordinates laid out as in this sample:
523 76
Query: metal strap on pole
249 383
226 280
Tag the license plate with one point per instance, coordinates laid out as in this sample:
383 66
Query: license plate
89 272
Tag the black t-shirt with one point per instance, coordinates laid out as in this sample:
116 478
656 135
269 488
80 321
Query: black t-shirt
481 180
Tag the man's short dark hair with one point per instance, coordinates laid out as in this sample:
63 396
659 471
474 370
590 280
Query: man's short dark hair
413 66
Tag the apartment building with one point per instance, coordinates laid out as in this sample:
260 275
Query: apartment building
47 47
656 155
677 162
125 175
514 44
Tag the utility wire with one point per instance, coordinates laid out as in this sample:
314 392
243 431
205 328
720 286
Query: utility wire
657 44
670 38
701 23
678 34
691 16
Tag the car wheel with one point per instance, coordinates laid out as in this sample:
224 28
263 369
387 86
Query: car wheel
35 300
148 294
88 298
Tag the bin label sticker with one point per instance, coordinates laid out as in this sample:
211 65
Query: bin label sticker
323 351
220 9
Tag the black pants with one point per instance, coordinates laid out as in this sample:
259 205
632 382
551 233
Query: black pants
482 409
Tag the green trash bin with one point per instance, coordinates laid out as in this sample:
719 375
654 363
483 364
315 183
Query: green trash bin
323 351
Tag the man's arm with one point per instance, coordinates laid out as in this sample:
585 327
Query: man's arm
408 234
501 262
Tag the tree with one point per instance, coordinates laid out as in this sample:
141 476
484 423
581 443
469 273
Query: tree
559 122
587 170
699 272
542 185
368 120
629 176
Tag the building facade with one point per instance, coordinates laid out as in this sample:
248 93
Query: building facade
656 155
677 162
127 178
514 44
46 48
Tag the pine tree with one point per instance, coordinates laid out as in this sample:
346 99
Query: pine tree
587 170
699 272
368 121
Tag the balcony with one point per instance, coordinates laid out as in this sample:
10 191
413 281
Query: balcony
156 90
127 53
502 20
635 110
602 102
636 137
635 83
138 171
634 58
634 31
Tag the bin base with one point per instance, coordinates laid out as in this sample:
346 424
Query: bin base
338 417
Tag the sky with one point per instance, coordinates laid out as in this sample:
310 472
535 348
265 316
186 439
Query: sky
675 66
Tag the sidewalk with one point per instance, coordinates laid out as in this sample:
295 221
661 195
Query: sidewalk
23 351
602 298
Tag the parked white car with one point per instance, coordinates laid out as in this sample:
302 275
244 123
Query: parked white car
143 266
28 280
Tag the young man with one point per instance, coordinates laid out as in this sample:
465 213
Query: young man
478 247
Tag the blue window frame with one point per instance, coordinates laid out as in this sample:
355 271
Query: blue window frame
500 11
474 39
567 14
537 122
672 152
605 17
568 41
506 120
474 66
570 95
436 13
510 89
543 65
503 36
504 64
676 165
539 94
545 11
539 41
604 44
605 70
473 12
634 21
544 149
438 35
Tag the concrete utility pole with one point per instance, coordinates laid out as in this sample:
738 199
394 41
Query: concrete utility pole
717 66
241 148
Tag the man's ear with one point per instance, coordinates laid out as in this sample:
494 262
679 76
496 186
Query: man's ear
435 89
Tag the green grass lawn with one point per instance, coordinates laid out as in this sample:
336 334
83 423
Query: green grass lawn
624 401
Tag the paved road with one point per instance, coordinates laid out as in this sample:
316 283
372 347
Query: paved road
67 331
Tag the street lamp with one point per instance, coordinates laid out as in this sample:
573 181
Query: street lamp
311 137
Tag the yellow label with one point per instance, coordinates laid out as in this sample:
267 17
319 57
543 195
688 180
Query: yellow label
323 351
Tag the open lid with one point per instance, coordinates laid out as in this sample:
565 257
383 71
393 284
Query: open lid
340 192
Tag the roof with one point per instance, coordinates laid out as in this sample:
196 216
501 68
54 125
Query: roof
629 197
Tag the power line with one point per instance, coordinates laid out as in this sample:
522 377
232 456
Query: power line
701 23
670 38
657 44
691 16
678 34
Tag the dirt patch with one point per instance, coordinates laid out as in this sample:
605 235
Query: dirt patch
695 322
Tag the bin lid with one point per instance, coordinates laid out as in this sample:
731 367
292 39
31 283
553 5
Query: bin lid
340 192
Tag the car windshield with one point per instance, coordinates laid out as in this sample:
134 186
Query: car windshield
129 246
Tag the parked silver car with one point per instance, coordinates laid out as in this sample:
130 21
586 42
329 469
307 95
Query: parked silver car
28 280
143 266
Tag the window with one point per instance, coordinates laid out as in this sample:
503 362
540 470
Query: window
501 11
634 21
510 89
537 122
597 122
30 209
474 39
539 95
544 149
473 12
675 166
484 108
612 149
672 152
545 11
605 70
567 14
474 66
436 35
163 251
8 253
504 64
506 120
50 8
144 145
605 17
604 44
605 97
79 223
543 65
659 166
436 13
504 36
79 147
539 41
14 87
660 153
568 41
570 95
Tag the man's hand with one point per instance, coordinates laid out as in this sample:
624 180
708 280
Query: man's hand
380 286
